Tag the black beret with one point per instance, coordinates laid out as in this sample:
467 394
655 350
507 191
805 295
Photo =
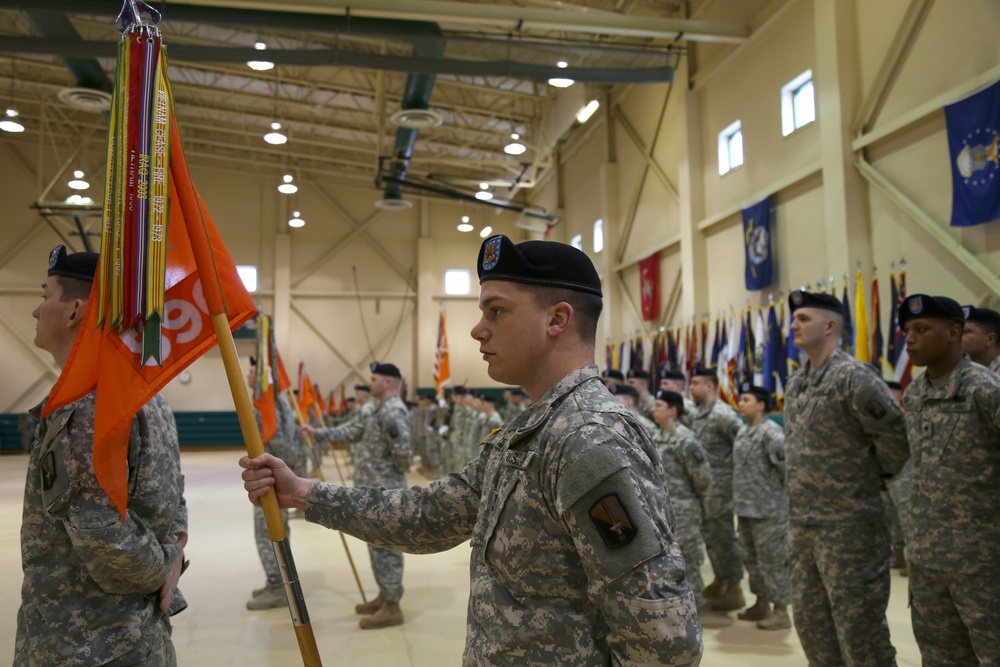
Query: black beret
80 265
624 390
350 399
802 299
253 361
411 404
920 306
673 399
990 318
517 391
459 391
537 263
613 375
362 387
762 394
706 373
385 370
639 374
428 395
673 374
489 399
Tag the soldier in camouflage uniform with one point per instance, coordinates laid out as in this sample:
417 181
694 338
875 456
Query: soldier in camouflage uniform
428 423
515 406
384 454
675 380
645 400
761 505
98 589
981 337
688 476
573 556
284 445
953 422
716 425
843 434
629 397
457 428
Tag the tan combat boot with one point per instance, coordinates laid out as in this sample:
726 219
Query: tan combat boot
389 615
271 598
715 589
758 612
731 600
370 607
776 620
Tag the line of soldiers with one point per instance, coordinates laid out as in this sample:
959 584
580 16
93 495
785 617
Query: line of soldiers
813 528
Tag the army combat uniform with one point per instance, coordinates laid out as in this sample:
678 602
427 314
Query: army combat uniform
91 579
688 476
761 505
843 433
383 457
953 547
716 426
573 557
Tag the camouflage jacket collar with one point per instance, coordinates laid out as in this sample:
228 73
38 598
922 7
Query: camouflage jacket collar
814 376
36 411
948 390
537 413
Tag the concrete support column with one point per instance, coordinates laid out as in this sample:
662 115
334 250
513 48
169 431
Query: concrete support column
605 260
282 291
691 188
425 317
838 95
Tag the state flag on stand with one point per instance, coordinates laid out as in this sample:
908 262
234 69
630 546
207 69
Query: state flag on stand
861 351
877 340
649 286
442 363
757 245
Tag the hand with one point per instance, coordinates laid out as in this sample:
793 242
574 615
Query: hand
443 431
307 431
265 471
170 585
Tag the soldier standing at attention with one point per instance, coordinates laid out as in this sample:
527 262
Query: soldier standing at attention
383 457
688 476
644 405
981 337
675 380
953 547
716 425
843 434
574 560
761 505
97 589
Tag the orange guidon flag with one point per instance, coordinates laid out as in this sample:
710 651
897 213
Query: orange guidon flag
201 281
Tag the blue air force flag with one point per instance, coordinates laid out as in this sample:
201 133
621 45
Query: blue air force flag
973 138
757 244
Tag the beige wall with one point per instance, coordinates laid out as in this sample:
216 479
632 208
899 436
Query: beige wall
603 172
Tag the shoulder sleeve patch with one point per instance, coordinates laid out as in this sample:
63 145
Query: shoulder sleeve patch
875 409
612 521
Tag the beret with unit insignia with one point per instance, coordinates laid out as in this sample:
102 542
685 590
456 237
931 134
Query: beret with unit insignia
990 318
80 265
673 399
922 306
760 393
385 370
802 299
544 263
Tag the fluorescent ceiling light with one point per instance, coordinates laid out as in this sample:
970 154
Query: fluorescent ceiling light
584 114
487 230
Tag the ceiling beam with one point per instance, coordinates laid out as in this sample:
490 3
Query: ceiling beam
509 16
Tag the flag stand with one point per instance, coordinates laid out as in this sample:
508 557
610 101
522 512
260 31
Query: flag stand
269 503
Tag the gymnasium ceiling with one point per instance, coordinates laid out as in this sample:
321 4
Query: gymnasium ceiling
342 73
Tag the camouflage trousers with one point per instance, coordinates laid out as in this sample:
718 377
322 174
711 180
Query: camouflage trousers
723 549
840 591
264 548
387 566
432 452
156 649
955 617
764 545
688 534
899 504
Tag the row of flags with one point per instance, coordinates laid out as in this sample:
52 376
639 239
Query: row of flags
757 345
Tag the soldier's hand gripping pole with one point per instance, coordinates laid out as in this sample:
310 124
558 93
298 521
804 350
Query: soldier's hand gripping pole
269 503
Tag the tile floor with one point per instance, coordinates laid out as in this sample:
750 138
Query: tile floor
218 631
